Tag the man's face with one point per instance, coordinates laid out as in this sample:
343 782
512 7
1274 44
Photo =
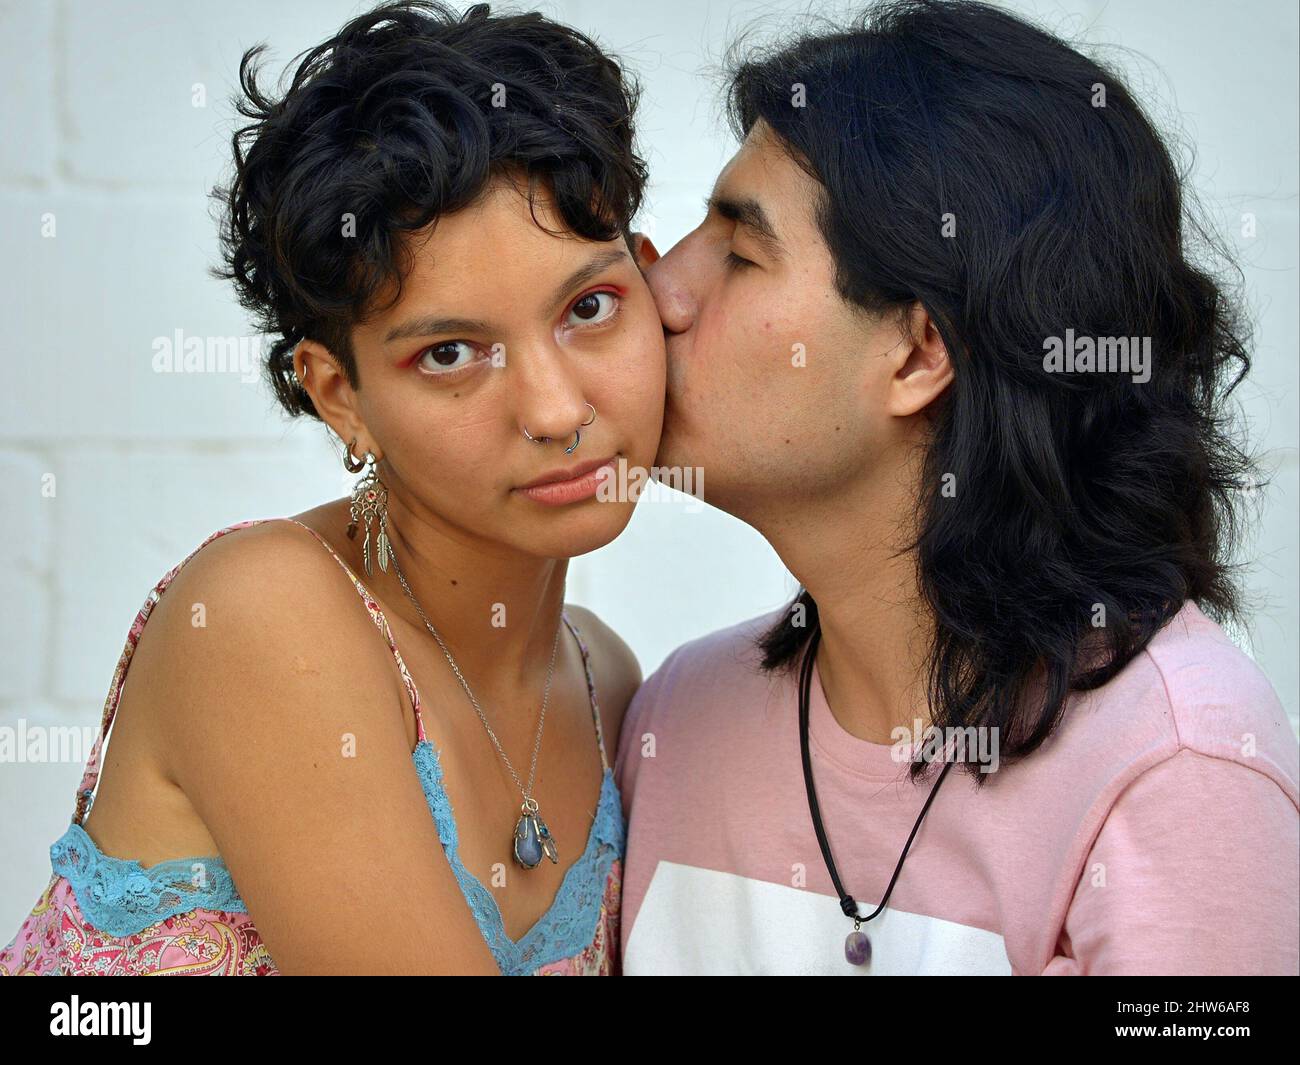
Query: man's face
770 377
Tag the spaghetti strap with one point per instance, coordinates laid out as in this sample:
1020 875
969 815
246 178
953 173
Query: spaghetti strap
86 790
89 779
381 622
591 690
116 901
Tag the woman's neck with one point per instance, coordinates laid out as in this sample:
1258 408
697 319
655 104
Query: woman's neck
495 608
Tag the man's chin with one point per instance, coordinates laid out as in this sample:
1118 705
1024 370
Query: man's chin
674 444
673 451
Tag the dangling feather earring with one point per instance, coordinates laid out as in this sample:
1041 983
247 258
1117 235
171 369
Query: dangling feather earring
370 505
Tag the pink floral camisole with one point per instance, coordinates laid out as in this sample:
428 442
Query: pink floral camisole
101 915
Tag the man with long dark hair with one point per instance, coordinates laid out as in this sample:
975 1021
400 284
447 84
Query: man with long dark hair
941 340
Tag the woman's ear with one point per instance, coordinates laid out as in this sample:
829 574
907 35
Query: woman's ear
331 394
645 251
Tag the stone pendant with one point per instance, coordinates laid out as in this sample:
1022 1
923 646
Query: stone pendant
532 841
857 948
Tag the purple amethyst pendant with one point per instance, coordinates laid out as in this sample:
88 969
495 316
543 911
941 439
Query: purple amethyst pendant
857 947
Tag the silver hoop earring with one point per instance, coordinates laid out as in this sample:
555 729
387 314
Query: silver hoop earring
536 439
350 462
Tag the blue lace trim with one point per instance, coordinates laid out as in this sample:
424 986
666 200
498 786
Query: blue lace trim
121 897
568 927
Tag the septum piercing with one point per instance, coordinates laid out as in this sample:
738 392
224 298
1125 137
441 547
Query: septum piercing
577 436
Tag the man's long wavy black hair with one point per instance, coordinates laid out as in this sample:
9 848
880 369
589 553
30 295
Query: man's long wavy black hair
407 114
1078 496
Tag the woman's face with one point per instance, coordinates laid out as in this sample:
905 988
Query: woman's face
502 326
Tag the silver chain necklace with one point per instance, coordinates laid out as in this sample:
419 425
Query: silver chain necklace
531 840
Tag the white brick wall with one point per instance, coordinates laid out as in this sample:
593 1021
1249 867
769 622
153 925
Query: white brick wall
101 134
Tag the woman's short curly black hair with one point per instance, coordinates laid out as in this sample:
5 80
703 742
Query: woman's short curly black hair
974 163
408 113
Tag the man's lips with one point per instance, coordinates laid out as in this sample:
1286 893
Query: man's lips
569 473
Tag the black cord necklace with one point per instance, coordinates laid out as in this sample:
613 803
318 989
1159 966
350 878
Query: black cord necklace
857 947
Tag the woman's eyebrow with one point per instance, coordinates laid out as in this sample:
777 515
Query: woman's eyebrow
431 325
583 274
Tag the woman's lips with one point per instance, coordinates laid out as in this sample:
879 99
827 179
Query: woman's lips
578 485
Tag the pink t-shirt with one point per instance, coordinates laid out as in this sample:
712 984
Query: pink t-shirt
1157 831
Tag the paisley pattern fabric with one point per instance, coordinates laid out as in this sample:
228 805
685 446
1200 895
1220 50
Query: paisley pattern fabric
58 940
101 915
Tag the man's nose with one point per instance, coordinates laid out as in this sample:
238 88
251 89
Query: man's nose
672 293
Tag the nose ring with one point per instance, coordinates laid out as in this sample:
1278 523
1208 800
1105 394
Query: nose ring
577 436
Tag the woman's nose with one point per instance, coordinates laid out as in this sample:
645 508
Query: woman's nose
551 402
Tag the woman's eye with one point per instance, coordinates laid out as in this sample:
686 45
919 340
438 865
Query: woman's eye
590 308
735 262
447 356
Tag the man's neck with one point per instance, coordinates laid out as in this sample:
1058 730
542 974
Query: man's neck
875 630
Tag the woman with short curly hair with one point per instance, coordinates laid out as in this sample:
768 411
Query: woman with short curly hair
377 722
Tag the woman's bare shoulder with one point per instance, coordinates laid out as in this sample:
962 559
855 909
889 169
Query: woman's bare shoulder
278 558
615 669
281 713
252 620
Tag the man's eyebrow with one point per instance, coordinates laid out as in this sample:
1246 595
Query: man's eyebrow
433 325
749 213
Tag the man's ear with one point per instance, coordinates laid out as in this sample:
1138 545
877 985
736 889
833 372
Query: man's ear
925 371
644 250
